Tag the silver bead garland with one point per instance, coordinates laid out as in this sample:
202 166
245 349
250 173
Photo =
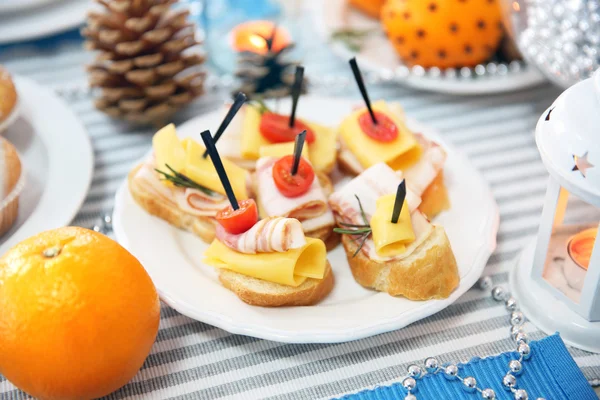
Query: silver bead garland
469 383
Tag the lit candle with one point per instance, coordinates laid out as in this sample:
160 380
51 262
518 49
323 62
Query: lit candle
250 36
581 246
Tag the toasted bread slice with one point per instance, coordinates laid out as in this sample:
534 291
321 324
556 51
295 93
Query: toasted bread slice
204 227
258 292
430 272
435 198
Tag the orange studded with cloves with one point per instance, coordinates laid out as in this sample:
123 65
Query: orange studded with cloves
443 33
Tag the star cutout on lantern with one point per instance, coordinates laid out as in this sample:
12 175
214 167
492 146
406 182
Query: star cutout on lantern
582 164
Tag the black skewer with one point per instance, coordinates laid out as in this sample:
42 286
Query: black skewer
296 90
298 145
399 202
240 99
361 87
216 159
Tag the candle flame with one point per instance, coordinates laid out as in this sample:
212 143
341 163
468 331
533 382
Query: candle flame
581 246
251 36
516 6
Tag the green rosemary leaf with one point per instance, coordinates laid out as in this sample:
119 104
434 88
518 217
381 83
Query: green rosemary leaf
362 212
352 231
353 225
353 39
180 180
364 239
260 105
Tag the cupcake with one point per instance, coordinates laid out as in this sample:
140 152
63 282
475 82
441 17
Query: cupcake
11 184
8 98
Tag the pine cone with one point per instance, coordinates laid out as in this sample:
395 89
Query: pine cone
267 75
143 69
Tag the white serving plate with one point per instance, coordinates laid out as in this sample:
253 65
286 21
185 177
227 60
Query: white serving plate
173 258
11 6
42 21
377 55
57 159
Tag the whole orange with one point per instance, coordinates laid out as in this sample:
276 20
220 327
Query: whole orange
443 33
78 315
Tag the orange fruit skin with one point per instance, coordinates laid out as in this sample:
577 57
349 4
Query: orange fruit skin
370 7
443 33
78 325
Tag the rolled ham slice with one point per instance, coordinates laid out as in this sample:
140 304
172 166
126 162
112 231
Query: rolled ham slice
309 205
419 176
377 181
268 235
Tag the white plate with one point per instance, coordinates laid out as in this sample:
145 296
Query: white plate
378 55
173 258
57 157
10 6
43 21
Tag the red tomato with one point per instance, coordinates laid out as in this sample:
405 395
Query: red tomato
240 220
275 128
292 185
385 130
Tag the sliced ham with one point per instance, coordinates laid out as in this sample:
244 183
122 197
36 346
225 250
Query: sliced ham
309 205
148 180
326 219
419 176
376 181
268 235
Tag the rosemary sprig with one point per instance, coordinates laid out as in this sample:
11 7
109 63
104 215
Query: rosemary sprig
260 105
364 231
180 180
353 39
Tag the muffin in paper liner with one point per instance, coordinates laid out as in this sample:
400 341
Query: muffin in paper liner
9 203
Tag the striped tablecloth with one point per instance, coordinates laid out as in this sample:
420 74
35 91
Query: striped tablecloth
194 360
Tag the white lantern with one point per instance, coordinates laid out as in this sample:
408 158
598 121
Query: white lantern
557 277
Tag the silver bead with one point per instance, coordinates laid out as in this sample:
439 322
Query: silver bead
515 366
486 282
509 381
517 318
524 351
97 228
470 384
514 330
431 365
410 396
409 383
521 394
415 371
488 394
511 304
450 371
521 337
540 398
498 293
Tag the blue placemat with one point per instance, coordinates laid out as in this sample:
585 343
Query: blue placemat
550 373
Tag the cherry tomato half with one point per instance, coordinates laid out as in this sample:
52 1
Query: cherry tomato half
275 128
240 220
385 130
292 185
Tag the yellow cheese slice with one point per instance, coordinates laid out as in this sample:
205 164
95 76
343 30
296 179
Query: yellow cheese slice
289 268
322 152
202 171
168 149
281 149
399 154
391 239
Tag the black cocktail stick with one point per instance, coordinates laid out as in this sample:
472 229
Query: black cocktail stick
240 99
296 90
361 87
214 156
298 145
399 202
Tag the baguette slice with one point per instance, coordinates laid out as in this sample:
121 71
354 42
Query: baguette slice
203 227
430 272
258 292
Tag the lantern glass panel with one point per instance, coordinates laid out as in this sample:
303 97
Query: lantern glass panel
571 244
